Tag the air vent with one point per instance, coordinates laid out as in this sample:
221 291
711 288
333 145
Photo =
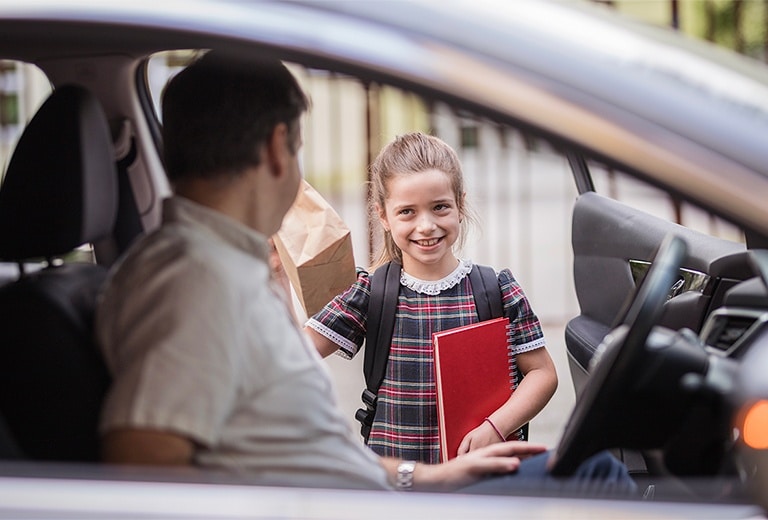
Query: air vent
727 330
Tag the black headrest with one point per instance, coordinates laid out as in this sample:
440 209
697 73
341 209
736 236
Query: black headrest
60 190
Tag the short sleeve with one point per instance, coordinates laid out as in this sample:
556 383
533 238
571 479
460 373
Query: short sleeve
525 327
343 320
175 368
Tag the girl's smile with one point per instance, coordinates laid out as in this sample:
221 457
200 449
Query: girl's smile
428 243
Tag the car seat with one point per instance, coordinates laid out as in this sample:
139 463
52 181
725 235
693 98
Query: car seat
60 192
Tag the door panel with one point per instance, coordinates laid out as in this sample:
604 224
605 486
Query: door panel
606 236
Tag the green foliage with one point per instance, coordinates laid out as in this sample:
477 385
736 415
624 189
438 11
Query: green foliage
736 24
739 25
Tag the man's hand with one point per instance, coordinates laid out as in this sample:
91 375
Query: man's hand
503 457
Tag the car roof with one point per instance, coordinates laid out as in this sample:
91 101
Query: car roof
680 113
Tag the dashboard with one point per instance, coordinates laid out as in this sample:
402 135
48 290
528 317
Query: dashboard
730 330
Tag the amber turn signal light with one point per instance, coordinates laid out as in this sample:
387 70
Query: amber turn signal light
753 425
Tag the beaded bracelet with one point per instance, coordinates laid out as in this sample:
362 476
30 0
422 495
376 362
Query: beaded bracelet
488 420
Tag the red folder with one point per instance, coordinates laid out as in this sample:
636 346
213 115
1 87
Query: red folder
473 378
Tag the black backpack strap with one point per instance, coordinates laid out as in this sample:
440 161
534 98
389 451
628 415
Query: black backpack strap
385 287
485 290
489 305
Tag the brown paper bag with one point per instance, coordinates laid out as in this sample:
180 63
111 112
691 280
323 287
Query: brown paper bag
315 247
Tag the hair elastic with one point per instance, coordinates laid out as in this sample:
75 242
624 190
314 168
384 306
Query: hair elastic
488 420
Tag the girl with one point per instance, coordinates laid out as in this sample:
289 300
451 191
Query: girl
418 195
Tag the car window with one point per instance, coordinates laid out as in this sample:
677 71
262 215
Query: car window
645 197
23 87
161 67
519 183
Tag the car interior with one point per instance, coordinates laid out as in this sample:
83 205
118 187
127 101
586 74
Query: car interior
661 306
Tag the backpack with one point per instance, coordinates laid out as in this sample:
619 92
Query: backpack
385 287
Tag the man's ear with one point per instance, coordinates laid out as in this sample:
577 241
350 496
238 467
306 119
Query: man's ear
277 149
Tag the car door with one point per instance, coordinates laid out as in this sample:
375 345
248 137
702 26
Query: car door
614 243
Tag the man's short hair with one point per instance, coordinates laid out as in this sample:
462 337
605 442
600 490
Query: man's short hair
219 111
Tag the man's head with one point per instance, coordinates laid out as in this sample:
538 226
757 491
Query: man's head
219 113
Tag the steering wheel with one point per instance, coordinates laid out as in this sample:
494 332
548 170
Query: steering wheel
617 365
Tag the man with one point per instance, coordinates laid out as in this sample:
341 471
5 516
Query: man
210 370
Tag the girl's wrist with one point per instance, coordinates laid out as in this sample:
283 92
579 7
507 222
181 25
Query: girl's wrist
496 429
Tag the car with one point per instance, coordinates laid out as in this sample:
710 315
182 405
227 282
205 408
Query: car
666 346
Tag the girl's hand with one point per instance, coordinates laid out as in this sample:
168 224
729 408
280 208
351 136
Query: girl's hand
501 457
483 435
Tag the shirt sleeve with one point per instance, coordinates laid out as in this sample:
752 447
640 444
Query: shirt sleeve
524 324
343 320
172 356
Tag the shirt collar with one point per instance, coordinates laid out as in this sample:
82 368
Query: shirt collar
434 287
177 209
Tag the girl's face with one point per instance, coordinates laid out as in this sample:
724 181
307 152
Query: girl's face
423 216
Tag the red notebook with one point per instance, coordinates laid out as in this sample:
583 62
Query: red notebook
473 378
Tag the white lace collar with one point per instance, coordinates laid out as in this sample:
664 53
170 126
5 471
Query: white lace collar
433 287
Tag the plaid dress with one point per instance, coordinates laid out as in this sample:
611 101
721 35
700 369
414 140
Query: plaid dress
405 425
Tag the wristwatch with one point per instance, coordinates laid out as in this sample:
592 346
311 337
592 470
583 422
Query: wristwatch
405 475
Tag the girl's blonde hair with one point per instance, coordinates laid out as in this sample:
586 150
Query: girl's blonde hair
410 154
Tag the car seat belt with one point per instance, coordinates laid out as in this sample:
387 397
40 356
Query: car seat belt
128 226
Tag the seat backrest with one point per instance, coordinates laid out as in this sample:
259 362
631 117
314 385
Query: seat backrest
60 192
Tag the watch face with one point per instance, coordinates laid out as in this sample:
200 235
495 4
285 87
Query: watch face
405 475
